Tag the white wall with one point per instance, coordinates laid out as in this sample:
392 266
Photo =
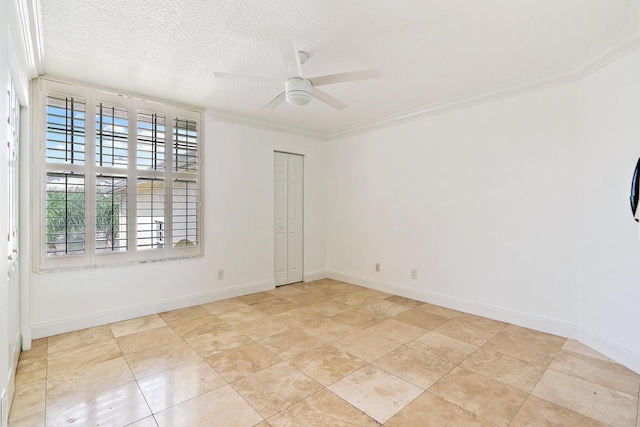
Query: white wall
238 237
609 260
479 201
517 209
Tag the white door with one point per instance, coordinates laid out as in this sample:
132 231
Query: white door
12 236
288 192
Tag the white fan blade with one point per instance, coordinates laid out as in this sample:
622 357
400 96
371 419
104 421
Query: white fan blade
327 99
345 77
289 53
235 76
279 99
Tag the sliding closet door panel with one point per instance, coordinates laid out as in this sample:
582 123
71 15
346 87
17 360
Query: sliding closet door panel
280 215
295 192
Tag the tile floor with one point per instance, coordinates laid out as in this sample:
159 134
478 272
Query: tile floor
324 353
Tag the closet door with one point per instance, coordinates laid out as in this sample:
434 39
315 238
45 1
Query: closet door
288 217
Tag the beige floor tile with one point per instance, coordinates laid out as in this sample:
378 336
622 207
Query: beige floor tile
578 347
360 317
291 343
472 329
362 297
118 406
508 370
160 359
376 392
200 326
219 307
212 343
31 369
145 422
39 348
304 286
73 384
263 424
256 298
275 306
242 361
430 410
537 412
321 410
329 329
485 397
175 317
305 299
179 384
414 366
421 319
220 407
28 399
238 316
78 359
443 347
275 388
386 308
397 331
71 340
139 324
283 291
526 344
334 289
608 374
590 399
366 345
146 340
301 318
327 364
407 302
330 307
263 328
36 420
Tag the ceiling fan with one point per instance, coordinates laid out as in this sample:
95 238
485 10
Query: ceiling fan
298 89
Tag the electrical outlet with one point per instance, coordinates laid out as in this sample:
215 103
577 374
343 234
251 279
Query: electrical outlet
220 274
414 273
378 267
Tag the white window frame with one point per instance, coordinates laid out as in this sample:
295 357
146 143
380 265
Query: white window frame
134 103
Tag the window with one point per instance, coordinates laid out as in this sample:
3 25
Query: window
120 179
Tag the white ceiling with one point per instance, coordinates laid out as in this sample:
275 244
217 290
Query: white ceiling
431 53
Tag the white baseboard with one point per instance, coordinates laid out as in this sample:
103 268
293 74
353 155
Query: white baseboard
105 317
599 343
620 354
315 275
538 323
26 341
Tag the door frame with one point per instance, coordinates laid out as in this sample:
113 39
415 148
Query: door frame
303 214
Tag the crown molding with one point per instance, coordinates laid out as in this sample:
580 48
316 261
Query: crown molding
30 25
226 117
622 45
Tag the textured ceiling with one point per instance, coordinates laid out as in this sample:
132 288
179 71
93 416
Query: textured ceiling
430 52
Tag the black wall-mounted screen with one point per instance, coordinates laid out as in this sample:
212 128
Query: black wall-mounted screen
635 190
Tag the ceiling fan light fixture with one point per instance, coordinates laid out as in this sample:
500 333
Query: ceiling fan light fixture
298 91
